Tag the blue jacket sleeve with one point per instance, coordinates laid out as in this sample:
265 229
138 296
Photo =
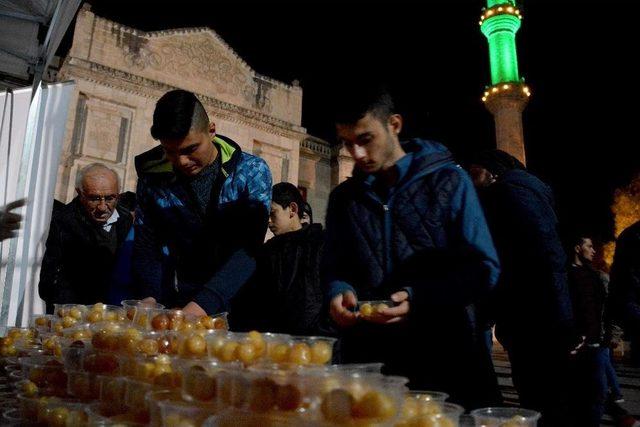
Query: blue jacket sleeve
244 235
147 265
467 269
473 231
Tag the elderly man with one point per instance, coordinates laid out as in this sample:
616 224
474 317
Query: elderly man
84 240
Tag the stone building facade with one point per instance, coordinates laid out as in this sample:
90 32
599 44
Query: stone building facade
120 73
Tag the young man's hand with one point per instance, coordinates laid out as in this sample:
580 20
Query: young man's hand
148 300
195 309
396 313
341 309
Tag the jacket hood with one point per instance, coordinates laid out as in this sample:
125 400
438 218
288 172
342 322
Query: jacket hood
427 154
155 162
522 178
427 157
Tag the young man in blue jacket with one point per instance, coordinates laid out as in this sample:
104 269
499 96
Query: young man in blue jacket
202 210
408 227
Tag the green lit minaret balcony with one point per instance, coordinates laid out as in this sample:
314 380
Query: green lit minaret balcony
513 90
499 23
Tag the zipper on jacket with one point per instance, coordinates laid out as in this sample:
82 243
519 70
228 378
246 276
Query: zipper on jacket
387 239
386 207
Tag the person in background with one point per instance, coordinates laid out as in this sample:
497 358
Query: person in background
307 214
625 287
286 294
588 294
531 305
84 242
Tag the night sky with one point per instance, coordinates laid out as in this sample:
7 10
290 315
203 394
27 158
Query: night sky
577 57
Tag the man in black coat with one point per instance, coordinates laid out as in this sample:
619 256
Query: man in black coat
531 305
589 294
84 240
625 286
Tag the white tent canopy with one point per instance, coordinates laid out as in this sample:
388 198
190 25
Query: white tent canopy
35 125
32 123
21 54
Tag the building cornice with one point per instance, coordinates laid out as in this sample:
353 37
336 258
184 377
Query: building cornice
193 30
148 88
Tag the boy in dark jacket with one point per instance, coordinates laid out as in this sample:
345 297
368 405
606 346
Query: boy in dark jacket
202 210
408 227
289 268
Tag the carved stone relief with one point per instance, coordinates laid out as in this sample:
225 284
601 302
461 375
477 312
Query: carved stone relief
200 57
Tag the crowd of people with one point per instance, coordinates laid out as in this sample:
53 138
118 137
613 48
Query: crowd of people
452 253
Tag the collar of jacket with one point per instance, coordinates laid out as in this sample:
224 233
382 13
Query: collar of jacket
155 162
307 232
428 156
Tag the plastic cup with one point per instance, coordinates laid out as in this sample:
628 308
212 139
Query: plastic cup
176 412
439 414
505 417
368 310
153 399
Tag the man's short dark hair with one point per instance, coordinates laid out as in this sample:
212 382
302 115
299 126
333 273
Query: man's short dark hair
285 193
496 161
578 240
574 238
177 112
128 200
354 100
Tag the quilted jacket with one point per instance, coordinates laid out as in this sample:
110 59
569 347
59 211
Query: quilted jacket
182 254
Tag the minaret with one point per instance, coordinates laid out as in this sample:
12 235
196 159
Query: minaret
508 95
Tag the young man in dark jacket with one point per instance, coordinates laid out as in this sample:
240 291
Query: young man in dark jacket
202 210
85 241
589 294
408 227
531 306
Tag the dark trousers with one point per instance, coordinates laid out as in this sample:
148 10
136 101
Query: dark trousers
634 338
542 378
590 385
612 377
458 366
